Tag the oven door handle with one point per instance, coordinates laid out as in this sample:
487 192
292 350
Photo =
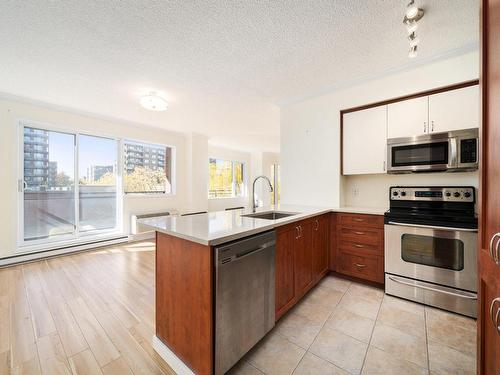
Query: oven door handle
415 285
433 227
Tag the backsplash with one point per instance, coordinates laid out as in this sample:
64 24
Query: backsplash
373 190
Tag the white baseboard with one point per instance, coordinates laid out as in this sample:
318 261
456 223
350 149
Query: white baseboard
150 235
172 360
31 257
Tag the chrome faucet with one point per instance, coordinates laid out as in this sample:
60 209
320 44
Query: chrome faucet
254 204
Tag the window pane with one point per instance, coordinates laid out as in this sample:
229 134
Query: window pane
97 188
220 182
439 252
238 179
147 168
49 175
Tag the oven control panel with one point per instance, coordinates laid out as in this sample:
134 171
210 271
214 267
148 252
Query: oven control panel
444 194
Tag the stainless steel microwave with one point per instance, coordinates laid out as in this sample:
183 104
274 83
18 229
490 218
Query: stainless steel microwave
453 151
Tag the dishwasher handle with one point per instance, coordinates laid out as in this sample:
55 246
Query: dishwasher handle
243 255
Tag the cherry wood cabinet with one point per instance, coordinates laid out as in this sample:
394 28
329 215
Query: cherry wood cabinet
488 358
301 259
285 277
359 248
321 246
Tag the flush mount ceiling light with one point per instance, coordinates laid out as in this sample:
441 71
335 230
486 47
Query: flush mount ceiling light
412 15
153 102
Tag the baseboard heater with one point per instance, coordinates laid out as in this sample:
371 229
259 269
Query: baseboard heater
36 255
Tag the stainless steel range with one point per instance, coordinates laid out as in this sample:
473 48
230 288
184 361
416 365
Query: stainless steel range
431 247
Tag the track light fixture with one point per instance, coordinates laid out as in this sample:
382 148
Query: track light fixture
413 14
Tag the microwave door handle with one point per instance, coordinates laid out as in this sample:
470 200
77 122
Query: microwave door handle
453 152
432 227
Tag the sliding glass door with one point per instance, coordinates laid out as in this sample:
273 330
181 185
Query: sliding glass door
49 184
97 166
68 186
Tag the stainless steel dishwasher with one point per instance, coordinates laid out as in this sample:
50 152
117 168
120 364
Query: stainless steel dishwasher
244 297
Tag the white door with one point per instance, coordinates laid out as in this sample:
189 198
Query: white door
408 118
454 110
365 141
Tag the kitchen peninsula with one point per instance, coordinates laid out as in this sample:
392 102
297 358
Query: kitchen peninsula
199 260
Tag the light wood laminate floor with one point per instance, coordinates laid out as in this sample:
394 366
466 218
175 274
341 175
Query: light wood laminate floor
87 313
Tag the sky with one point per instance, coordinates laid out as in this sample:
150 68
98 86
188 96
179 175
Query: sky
92 151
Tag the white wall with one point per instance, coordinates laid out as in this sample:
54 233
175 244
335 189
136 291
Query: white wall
373 190
310 135
11 111
197 173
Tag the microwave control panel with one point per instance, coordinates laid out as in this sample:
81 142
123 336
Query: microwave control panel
468 151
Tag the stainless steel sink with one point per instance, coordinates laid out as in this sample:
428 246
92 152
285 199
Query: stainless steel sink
271 215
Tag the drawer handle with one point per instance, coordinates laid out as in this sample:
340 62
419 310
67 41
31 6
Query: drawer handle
358 245
494 320
317 225
360 265
359 233
358 220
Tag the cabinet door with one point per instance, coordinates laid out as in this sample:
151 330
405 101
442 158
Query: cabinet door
303 258
488 325
364 133
454 110
408 118
321 227
285 291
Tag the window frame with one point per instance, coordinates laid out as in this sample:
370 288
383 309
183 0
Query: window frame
76 237
173 170
233 182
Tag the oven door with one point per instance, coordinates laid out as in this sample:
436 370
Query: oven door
413 155
440 255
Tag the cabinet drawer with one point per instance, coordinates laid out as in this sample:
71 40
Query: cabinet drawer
361 236
366 267
359 220
357 248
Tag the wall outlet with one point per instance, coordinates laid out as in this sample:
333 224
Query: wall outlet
355 192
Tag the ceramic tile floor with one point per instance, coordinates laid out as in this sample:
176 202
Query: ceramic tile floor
342 327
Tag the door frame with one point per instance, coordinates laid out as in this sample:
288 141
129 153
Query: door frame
75 237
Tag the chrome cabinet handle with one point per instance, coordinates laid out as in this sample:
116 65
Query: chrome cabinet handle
497 326
360 265
317 224
359 233
492 241
358 245
298 233
495 319
497 260
358 220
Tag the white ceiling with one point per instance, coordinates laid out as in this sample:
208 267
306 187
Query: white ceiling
223 65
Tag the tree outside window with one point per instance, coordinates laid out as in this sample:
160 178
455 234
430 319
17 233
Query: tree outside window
225 178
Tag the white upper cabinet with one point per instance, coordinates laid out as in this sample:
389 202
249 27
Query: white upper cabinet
408 118
364 137
454 110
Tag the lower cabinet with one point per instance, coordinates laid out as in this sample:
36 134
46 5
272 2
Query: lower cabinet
350 244
360 246
301 259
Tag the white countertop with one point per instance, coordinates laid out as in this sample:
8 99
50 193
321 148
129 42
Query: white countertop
218 227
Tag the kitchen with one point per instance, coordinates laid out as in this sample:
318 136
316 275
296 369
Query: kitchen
300 212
